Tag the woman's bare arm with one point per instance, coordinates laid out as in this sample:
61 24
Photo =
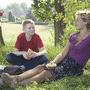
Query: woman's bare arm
60 56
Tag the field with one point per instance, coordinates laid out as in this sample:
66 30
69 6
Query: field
10 32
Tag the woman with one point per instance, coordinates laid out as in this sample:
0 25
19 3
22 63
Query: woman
70 62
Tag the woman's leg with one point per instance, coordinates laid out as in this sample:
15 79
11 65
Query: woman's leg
13 79
44 75
30 73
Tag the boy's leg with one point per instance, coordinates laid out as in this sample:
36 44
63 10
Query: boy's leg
35 61
15 60
27 64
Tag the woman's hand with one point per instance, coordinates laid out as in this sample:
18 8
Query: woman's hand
51 65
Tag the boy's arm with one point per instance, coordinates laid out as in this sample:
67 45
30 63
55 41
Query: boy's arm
18 53
42 51
33 54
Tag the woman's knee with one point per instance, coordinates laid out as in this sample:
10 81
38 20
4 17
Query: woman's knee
40 67
47 74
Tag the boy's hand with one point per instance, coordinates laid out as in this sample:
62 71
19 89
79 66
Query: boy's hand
29 51
25 55
34 54
31 54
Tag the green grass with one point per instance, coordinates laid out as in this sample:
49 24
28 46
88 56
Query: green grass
10 32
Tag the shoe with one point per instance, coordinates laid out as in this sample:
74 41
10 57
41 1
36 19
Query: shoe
1 82
13 70
2 69
11 81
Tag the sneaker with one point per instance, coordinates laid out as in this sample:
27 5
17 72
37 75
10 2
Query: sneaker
1 82
13 70
2 69
11 81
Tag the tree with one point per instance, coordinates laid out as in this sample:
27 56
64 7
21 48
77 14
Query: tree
24 8
11 18
51 10
61 12
29 14
16 9
1 37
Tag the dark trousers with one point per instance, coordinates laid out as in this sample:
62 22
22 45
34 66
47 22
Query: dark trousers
28 64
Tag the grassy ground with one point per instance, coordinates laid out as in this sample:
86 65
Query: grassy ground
10 32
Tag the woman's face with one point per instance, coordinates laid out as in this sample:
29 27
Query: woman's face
79 23
29 29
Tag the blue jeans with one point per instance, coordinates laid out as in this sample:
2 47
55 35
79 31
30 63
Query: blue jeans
28 64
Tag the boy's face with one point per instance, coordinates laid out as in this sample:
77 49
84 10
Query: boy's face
29 29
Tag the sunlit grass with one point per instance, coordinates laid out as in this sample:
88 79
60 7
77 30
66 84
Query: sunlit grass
10 32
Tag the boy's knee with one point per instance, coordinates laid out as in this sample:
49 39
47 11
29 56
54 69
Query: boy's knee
44 58
9 56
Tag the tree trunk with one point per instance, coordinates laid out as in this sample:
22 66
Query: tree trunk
1 38
58 31
58 25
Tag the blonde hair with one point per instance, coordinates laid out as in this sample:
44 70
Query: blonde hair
85 16
28 21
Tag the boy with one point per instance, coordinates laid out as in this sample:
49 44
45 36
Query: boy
30 50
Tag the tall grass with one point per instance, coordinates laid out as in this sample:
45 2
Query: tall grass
67 83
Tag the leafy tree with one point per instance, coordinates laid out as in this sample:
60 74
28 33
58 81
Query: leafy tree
1 38
51 11
17 9
24 8
60 12
29 15
11 18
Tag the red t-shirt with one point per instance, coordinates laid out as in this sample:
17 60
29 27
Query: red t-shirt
34 44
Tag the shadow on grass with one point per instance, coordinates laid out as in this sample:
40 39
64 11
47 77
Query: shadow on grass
6 88
67 83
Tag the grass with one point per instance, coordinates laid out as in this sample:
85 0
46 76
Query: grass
10 32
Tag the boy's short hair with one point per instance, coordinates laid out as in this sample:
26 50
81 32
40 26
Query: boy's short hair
28 21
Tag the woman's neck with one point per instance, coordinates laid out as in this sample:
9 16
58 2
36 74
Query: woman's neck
84 32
